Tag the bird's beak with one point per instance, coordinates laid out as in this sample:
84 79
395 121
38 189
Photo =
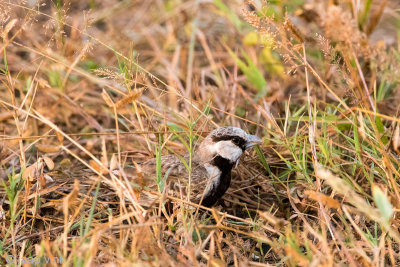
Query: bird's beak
252 140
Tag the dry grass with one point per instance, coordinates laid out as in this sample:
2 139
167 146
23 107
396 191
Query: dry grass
91 86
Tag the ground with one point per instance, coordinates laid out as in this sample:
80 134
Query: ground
91 86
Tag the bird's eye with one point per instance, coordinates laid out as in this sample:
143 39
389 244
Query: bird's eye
236 140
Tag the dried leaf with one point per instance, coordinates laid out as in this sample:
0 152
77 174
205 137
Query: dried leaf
49 162
113 162
42 181
48 178
33 172
60 138
47 148
97 167
5 115
69 202
324 199
45 179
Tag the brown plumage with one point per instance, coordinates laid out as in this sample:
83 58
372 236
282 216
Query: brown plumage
210 174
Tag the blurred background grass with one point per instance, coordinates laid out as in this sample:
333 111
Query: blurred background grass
90 85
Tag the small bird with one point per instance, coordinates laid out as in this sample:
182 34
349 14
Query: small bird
210 171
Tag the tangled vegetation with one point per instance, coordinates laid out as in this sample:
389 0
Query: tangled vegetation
91 86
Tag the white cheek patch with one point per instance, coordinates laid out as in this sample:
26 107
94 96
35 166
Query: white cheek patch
227 150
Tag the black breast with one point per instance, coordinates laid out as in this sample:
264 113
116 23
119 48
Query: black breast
219 187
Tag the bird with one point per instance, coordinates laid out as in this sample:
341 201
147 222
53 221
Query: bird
208 177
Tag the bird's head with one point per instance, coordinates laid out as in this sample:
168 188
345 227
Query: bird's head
226 142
